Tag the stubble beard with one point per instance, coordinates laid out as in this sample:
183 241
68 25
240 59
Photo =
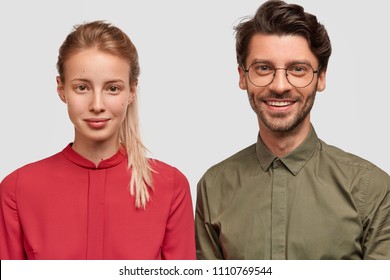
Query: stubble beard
282 123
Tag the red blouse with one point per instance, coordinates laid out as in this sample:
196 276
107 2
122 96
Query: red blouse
64 207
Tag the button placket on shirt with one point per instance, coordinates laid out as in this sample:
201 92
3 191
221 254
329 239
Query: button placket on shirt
95 238
278 211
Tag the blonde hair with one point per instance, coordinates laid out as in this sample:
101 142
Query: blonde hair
108 38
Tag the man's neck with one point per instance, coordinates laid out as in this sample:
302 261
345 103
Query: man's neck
282 143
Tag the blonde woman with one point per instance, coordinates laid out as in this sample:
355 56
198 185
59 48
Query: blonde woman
100 197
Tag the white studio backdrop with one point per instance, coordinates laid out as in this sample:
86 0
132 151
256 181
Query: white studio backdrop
192 112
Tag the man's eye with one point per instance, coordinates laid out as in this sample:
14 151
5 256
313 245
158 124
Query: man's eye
298 70
262 69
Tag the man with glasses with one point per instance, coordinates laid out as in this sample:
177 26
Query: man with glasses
290 195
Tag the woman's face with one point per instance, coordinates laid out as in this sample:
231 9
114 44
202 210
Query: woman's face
97 92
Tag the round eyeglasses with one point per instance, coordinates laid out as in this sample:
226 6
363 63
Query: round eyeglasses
299 75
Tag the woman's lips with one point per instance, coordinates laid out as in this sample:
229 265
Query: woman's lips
97 122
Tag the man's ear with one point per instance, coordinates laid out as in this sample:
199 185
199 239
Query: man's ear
60 89
321 84
242 76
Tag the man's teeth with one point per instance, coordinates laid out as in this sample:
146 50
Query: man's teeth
279 103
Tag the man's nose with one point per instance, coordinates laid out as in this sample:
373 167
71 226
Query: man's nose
280 83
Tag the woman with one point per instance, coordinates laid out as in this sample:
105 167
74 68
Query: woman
100 197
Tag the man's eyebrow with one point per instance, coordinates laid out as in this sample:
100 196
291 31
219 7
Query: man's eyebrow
299 61
287 63
259 60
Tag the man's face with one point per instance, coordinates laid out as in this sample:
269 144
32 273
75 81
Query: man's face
281 107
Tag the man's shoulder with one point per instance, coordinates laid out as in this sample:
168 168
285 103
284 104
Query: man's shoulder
350 160
236 161
345 158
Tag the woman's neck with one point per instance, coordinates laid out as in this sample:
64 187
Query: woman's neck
95 151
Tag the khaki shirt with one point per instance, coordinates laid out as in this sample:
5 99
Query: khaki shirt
318 202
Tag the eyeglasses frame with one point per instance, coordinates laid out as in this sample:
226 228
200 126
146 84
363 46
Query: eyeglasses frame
281 68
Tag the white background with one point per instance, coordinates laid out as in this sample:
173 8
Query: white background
193 113
281 270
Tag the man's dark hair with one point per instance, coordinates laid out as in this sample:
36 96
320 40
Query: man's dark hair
280 18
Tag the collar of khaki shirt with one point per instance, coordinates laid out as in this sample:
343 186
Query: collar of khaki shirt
295 160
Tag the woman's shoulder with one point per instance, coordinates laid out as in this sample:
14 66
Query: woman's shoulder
170 182
162 166
34 169
166 173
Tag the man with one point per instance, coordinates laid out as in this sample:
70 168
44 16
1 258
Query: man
290 195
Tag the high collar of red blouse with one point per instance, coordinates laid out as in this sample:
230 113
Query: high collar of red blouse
74 157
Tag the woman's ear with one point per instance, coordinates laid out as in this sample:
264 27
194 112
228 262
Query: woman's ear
133 92
60 89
